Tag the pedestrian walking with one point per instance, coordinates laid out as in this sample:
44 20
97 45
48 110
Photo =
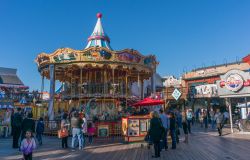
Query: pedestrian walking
218 118
178 125
189 119
212 119
185 126
76 123
172 120
201 118
91 132
28 124
39 130
16 125
205 118
84 129
65 126
225 118
28 144
165 123
156 132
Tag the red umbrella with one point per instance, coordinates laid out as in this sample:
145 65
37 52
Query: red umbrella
148 102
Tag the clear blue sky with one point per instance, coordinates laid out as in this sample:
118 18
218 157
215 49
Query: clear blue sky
183 34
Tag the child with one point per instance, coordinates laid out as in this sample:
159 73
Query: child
28 144
91 132
39 130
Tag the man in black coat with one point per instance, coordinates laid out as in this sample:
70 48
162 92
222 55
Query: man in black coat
28 124
16 126
156 132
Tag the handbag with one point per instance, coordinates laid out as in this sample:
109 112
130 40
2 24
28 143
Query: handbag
163 131
63 133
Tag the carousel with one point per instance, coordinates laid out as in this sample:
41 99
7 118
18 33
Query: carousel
96 79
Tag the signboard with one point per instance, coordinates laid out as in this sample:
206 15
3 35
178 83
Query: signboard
143 125
103 131
235 83
133 127
176 94
208 90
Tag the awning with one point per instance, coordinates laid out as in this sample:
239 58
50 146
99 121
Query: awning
6 105
149 102
10 79
243 105
14 86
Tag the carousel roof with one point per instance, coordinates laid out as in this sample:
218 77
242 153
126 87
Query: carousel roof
99 37
97 54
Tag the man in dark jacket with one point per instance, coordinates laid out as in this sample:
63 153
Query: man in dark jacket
156 132
28 124
16 126
173 129
39 130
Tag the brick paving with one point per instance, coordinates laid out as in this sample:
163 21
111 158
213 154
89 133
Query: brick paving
204 145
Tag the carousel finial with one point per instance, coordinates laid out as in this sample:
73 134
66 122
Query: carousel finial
99 15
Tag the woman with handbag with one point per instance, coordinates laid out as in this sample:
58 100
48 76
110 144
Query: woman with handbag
65 128
156 132
185 125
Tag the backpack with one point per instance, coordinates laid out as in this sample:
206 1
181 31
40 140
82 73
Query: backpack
189 116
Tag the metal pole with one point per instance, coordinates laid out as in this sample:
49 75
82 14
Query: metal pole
52 92
230 113
80 90
126 89
42 87
246 106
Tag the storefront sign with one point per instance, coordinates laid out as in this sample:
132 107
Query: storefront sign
208 90
207 72
234 83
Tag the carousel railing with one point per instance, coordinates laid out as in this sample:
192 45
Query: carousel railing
105 131
95 95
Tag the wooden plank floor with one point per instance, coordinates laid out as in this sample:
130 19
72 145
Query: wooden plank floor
202 146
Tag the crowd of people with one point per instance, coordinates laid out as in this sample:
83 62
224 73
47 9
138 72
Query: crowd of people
170 123
80 128
23 128
167 123
162 124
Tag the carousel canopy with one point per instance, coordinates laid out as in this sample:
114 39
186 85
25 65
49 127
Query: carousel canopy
98 55
98 37
148 102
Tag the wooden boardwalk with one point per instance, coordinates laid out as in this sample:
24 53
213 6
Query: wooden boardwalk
202 146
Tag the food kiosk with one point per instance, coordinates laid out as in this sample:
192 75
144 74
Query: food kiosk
135 128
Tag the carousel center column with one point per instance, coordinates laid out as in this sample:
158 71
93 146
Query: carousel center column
52 92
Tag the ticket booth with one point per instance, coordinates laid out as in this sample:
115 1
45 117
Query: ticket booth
135 128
